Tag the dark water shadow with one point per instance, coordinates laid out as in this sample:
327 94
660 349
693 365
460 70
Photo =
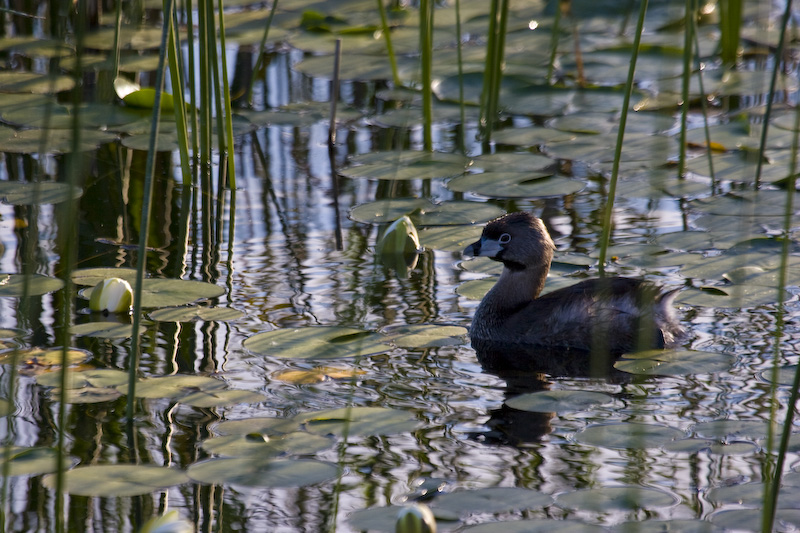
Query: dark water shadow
527 369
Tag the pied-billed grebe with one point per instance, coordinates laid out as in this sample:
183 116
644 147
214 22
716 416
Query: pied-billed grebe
611 314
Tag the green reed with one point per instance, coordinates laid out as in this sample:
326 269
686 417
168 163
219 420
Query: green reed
608 209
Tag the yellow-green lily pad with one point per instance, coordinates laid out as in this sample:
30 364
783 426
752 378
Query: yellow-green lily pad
326 342
358 421
425 335
192 314
247 472
118 480
14 284
558 401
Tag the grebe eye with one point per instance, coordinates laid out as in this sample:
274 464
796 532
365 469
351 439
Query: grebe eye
505 238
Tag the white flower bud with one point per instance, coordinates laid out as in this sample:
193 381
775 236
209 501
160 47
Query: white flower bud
113 295
416 518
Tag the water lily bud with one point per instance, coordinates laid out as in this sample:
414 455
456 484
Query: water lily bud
399 238
417 518
113 295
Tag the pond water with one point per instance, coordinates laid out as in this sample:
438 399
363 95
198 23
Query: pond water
331 389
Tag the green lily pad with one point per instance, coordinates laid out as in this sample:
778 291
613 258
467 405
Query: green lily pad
14 284
535 525
750 519
245 471
39 358
92 276
105 330
361 421
475 289
256 444
49 140
751 494
221 398
651 150
326 342
516 184
449 238
785 375
192 314
87 395
382 519
175 386
732 296
558 401
406 165
513 162
79 379
118 480
425 213
172 292
491 500
33 461
166 142
17 193
425 335
733 429
258 425
531 136
628 435
5 407
674 362
12 81
606 499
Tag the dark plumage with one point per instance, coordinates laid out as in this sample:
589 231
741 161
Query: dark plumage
611 315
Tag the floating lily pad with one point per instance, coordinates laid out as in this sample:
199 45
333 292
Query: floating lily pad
606 499
375 519
733 429
37 360
558 401
14 284
316 375
12 81
732 296
118 480
751 494
750 519
361 421
78 379
256 444
328 342
5 407
406 165
425 213
258 425
475 289
175 386
105 330
172 292
191 314
785 375
246 471
535 525
628 435
166 142
516 184
221 398
49 140
425 335
654 150
674 362
92 276
531 136
660 526
449 238
491 500
87 395
512 162
33 461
